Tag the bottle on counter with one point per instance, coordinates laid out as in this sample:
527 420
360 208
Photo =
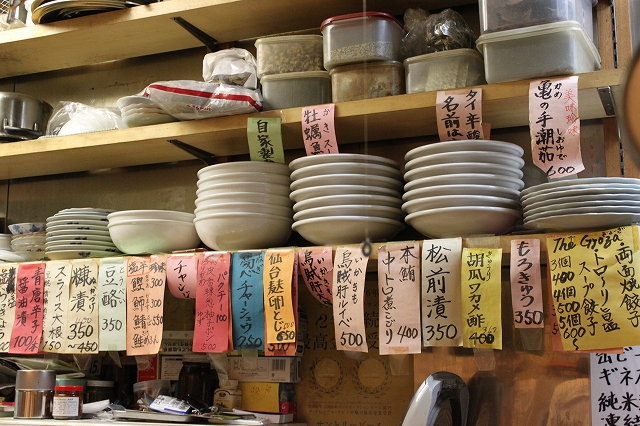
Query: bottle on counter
197 378
67 402
228 395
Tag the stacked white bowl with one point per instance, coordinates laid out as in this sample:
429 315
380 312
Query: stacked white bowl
139 111
243 205
463 188
346 198
152 231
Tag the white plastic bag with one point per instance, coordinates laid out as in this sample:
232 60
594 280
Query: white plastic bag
69 118
234 66
191 100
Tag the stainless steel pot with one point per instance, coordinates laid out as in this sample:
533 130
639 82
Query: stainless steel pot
34 394
22 117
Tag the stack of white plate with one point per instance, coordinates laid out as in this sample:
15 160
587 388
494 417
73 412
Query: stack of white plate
139 111
463 188
79 233
243 205
29 245
582 204
346 198
6 253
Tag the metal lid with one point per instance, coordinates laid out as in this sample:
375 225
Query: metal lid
381 15
35 379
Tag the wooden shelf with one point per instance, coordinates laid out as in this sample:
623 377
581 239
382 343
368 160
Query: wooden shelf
402 116
146 30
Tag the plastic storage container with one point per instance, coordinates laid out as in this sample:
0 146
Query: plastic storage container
152 388
540 51
295 89
501 15
99 390
370 80
358 37
444 70
294 53
197 378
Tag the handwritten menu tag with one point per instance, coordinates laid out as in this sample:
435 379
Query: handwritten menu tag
594 287
83 319
526 284
297 346
247 300
112 294
146 277
182 275
265 139
554 126
441 295
459 114
316 268
318 129
481 297
27 326
349 272
212 323
57 277
8 273
556 339
280 323
399 300
614 387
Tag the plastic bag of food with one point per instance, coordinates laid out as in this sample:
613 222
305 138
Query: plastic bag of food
69 118
414 24
446 30
236 67
191 100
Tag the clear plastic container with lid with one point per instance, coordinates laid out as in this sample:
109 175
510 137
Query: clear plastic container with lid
358 37
197 378
99 390
293 53
449 69
295 89
501 15
364 81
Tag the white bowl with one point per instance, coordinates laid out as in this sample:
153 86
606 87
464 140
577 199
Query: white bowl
244 167
153 236
254 187
245 207
244 197
394 213
466 179
26 228
464 145
243 231
330 190
312 160
346 167
247 178
466 157
479 189
456 168
348 199
463 221
347 229
440 201
150 214
347 179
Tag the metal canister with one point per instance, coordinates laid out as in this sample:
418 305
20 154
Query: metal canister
34 394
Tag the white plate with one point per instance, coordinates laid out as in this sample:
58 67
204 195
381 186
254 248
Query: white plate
147 119
78 233
466 179
331 190
465 145
490 190
68 242
9 256
463 221
347 229
394 213
70 238
348 168
59 222
134 100
85 210
548 211
440 201
84 247
244 167
141 110
466 157
346 179
559 194
607 198
76 217
340 200
312 160
73 228
150 105
79 254
582 222
456 168
583 181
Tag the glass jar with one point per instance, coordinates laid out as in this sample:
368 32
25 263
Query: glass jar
67 402
98 390
197 378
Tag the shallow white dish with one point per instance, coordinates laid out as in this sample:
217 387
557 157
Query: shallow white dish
457 189
609 204
85 210
73 243
9 256
347 229
439 201
464 145
234 187
133 100
347 179
607 198
548 211
150 214
245 177
347 167
508 160
244 197
457 168
464 221
465 179
79 227
147 119
152 236
330 190
32 255
74 237
78 254
61 247
76 218
394 213
312 160
585 221
348 199
244 167
244 207
141 110
581 181
556 194
148 105
74 233
61 222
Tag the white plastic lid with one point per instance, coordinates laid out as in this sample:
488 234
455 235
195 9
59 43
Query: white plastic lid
290 39
295 75
443 54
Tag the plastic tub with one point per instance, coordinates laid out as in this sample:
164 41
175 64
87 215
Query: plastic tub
295 89
358 37
370 80
501 15
543 50
449 69
283 54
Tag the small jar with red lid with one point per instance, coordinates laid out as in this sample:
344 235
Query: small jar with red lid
67 402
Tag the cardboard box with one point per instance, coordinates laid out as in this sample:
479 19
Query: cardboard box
268 397
265 369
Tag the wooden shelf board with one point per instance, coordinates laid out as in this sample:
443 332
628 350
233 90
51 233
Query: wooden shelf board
146 30
402 116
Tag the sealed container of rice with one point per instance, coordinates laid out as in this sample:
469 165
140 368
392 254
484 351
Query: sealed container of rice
449 69
292 53
295 89
367 80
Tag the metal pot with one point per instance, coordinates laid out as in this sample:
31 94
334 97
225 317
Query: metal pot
34 394
22 117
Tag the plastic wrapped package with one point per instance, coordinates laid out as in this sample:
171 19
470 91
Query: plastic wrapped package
236 67
70 118
438 32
